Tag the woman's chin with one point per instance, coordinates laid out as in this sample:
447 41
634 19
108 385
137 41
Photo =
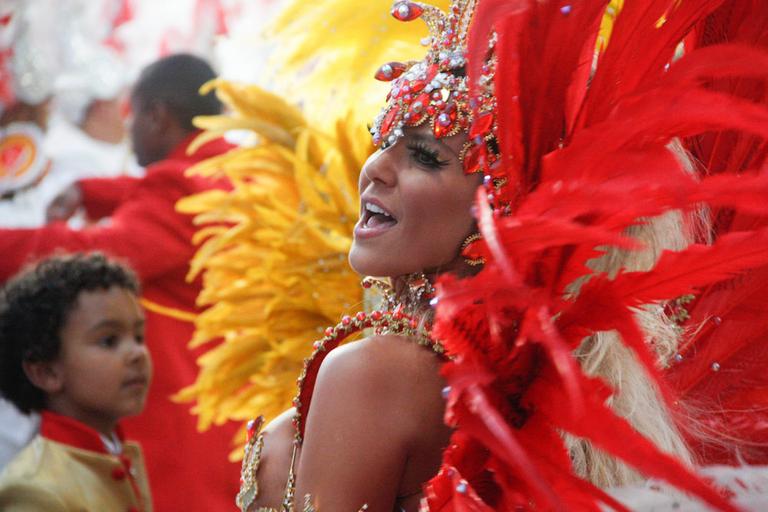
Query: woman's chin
376 263
363 266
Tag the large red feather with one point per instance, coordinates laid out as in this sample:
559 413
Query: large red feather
588 156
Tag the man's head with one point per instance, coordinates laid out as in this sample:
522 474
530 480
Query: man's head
164 101
67 312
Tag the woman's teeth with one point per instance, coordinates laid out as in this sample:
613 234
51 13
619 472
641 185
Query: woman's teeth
377 215
376 209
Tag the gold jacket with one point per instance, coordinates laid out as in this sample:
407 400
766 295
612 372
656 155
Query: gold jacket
67 469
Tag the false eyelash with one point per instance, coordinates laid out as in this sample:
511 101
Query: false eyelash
420 149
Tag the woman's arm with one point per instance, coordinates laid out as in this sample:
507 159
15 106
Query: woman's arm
367 411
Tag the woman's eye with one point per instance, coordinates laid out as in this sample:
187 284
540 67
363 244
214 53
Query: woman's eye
425 156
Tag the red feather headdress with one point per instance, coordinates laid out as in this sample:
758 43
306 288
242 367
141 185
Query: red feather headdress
584 143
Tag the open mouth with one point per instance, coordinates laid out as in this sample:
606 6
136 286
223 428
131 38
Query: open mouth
374 216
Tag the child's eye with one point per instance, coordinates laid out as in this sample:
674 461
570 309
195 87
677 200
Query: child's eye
425 156
108 341
140 338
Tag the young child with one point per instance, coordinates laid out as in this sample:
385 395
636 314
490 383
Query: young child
72 347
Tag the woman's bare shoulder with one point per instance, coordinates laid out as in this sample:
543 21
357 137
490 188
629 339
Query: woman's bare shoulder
374 399
363 385
379 355
385 375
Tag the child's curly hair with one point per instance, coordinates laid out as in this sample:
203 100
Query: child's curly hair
35 305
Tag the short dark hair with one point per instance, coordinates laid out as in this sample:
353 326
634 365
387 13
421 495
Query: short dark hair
175 81
34 306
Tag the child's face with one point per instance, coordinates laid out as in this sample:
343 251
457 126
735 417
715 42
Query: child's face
104 366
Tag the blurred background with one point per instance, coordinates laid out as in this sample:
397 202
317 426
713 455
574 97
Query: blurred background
66 68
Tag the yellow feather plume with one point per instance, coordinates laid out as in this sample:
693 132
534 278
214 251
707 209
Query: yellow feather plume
275 266
273 250
331 49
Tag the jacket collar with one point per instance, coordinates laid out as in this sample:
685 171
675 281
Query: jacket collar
66 430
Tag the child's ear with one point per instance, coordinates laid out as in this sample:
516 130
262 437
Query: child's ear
44 375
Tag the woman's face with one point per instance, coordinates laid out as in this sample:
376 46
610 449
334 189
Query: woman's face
415 203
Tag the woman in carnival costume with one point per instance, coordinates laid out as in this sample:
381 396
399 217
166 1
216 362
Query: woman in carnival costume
543 216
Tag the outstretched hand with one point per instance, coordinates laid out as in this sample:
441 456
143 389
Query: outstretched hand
65 205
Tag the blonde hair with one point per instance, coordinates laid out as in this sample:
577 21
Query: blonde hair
603 354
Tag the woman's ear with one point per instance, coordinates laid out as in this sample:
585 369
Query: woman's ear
44 375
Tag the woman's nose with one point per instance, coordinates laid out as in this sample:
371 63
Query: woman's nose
379 168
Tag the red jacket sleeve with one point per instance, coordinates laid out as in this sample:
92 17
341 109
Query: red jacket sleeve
145 231
102 196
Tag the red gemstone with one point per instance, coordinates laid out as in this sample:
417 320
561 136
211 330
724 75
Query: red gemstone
443 124
420 103
376 315
329 331
345 320
481 126
389 119
438 130
253 426
418 85
390 71
416 119
360 316
473 160
417 108
406 11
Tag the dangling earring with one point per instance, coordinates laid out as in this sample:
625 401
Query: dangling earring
468 259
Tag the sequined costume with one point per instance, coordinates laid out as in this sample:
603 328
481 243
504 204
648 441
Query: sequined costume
574 148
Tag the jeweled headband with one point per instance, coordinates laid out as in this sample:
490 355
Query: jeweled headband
435 90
